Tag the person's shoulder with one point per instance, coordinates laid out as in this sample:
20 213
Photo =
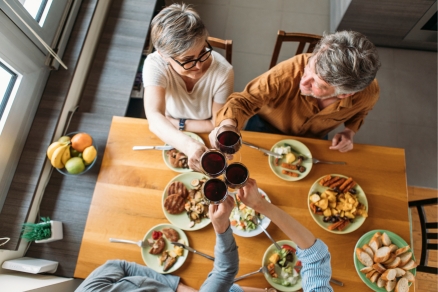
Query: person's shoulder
155 59
372 91
220 62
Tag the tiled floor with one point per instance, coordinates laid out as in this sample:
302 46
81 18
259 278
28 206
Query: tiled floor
404 117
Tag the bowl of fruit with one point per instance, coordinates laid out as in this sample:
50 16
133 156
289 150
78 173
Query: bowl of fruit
73 154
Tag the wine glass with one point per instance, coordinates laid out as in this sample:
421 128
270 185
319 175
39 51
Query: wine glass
213 162
236 175
215 190
229 141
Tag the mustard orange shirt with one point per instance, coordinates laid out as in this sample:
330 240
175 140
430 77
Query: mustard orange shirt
276 97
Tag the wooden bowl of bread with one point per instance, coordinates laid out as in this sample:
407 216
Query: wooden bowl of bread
384 261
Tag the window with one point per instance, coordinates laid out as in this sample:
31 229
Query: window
7 82
37 9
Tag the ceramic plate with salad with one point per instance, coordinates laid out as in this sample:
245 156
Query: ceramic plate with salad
296 162
241 219
283 266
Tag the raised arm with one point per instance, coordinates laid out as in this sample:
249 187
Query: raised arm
226 263
155 105
312 252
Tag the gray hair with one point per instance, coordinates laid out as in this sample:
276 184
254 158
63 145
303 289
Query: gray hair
346 60
176 29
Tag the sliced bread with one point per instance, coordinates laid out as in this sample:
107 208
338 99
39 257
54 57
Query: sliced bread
400 272
371 273
363 257
410 265
368 250
390 285
379 268
405 258
393 247
402 285
375 243
385 239
402 250
394 264
390 259
381 283
408 275
382 254
374 277
389 275
365 270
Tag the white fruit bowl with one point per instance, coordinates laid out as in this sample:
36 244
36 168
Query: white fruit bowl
87 167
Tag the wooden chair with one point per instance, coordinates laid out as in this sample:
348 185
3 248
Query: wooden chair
302 38
426 234
226 45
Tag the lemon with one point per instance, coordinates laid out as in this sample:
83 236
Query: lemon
75 165
89 154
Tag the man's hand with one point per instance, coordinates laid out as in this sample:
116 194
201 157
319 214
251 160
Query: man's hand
194 151
249 195
212 135
220 214
343 141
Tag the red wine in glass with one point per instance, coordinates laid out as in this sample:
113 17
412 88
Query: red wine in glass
213 162
236 175
228 139
215 190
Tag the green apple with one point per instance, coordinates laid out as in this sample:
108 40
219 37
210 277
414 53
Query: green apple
75 165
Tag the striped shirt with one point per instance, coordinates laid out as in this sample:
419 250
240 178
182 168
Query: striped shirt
276 97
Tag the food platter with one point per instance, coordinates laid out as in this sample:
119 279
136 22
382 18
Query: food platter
358 221
299 147
166 158
365 239
265 222
181 220
151 260
271 249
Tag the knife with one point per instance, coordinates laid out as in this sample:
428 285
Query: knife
263 150
193 250
165 147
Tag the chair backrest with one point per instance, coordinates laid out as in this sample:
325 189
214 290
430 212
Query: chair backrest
426 234
301 38
226 45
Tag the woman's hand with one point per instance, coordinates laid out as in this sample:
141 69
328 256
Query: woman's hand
194 152
220 214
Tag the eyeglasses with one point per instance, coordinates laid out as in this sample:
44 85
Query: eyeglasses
192 63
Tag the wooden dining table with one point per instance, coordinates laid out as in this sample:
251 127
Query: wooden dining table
127 202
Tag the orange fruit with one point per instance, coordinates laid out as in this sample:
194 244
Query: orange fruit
81 141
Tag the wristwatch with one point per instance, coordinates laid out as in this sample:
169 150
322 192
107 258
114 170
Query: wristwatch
182 124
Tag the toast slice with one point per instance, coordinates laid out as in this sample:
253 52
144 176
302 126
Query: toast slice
381 283
366 270
374 277
379 268
400 272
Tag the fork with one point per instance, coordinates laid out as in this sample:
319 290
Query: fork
140 243
259 223
315 161
261 270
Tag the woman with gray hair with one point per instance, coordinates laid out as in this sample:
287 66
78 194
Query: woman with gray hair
185 81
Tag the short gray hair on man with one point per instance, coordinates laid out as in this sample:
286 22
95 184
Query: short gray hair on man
176 29
346 60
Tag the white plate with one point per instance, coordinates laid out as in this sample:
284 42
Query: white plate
265 223
166 158
151 260
271 249
357 222
182 219
299 147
